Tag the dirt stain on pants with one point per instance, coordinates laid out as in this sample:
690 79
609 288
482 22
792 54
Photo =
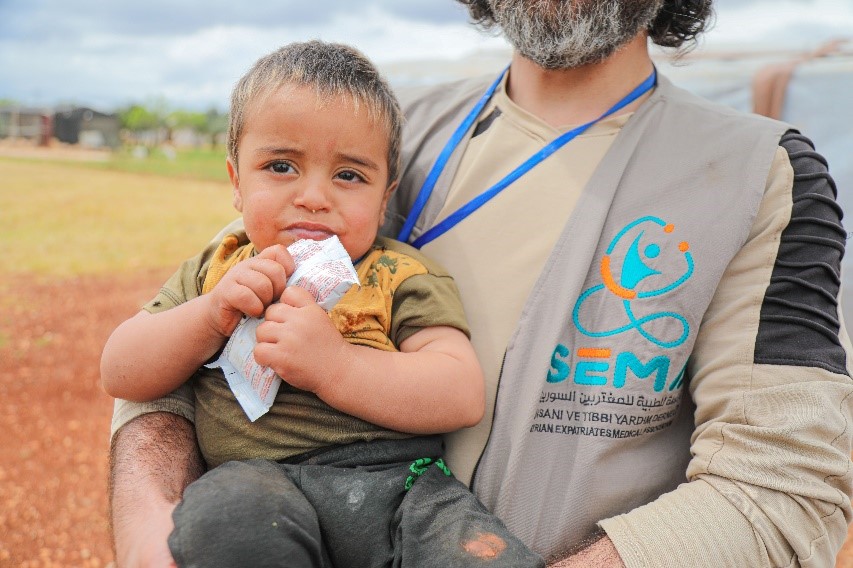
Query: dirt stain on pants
486 546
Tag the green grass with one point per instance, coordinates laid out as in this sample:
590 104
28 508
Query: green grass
207 164
64 219
197 163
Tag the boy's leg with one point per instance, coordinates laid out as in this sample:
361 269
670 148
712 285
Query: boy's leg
356 494
355 507
246 514
441 524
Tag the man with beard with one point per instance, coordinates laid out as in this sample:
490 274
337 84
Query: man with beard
652 283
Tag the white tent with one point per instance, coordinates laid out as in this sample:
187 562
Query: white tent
811 90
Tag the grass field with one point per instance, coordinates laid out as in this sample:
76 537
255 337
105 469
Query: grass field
65 219
190 163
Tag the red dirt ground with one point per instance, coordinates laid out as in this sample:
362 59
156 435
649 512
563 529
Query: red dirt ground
54 417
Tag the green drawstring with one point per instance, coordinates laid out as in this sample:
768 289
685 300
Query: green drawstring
419 467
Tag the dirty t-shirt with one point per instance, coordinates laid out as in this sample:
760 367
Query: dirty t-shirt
401 292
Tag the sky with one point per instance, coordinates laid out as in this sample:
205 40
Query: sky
190 53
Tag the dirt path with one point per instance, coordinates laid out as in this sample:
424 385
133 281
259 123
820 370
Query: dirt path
54 417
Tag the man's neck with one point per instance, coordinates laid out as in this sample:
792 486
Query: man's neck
574 96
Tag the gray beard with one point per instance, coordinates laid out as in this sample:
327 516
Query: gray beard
564 34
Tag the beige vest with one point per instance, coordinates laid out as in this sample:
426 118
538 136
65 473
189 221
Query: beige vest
593 417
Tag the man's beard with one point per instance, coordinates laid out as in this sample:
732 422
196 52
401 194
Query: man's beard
564 34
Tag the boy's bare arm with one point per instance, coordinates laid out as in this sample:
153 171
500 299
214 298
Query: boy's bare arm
433 385
150 355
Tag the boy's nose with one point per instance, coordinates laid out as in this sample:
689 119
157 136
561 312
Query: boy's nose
314 196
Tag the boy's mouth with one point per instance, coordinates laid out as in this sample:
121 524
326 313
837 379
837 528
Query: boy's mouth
307 230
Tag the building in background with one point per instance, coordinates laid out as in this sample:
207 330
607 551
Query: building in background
87 127
70 125
26 123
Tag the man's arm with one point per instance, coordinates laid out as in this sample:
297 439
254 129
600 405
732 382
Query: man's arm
153 453
595 552
770 480
152 460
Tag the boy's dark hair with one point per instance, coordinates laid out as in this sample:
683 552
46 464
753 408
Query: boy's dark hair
332 70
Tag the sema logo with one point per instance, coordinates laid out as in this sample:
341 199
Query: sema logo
645 242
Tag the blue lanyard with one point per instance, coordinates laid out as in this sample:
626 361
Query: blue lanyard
429 183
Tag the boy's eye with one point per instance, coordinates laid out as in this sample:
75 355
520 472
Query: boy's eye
281 167
348 175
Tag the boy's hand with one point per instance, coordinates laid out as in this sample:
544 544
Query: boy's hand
249 287
299 342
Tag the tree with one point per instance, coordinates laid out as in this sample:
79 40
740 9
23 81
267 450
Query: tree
155 116
149 117
215 123
137 120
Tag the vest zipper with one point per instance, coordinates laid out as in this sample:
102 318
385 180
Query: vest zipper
492 426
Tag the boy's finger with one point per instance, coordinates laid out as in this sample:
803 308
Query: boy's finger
279 254
297 297
246 300
261 280
274 272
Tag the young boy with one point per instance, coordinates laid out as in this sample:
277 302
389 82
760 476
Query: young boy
344 469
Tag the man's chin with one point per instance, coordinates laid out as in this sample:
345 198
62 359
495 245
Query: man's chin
563 62
578 35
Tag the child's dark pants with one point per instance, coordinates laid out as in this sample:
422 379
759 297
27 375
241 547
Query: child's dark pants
346 507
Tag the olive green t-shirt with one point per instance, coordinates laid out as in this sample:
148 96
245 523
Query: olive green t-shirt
401 293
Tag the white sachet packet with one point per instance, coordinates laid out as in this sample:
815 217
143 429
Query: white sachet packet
324 269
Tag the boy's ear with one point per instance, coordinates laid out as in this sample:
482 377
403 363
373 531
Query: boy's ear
388 192
235 184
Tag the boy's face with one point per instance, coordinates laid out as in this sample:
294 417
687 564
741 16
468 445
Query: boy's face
310 173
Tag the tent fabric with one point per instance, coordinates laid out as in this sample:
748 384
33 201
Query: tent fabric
811 90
